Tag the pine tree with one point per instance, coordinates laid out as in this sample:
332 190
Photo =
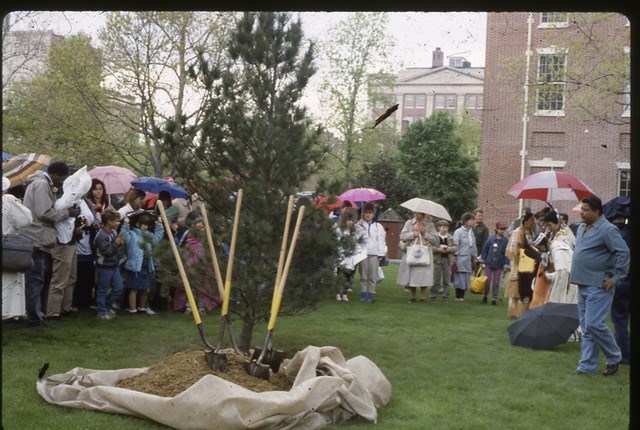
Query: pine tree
255 135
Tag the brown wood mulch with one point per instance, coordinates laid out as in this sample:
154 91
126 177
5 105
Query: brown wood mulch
179 371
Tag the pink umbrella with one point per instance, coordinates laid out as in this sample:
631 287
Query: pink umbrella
550 185
117 180
577 208
362 195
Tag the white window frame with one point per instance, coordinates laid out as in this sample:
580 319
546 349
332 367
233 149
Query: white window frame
409 101
451 98
439 98
421 101
470 101
555 22
480 101
624 168
551 52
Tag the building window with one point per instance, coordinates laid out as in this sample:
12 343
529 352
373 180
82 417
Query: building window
626 95
470 102
420 102
379 104
439 102
551 82
408 102
624 182
480 101
553 20
451 102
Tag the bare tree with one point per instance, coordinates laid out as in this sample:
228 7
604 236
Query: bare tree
147 60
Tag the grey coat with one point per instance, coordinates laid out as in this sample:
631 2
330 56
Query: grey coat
40 200
466 243
417 276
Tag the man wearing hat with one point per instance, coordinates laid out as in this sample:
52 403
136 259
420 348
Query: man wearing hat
443 258
494 261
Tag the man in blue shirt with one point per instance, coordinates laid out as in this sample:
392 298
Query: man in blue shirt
600 261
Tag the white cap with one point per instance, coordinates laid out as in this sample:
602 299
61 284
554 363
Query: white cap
6 184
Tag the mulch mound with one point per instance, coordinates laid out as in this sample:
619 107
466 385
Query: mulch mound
179 371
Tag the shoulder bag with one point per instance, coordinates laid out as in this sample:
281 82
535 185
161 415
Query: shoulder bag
418 254
16 253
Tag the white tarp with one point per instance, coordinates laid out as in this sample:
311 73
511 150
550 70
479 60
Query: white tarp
327 389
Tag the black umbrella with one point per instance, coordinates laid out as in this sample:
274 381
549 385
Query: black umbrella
544 326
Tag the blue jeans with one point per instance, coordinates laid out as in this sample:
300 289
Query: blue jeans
107 276
594 305
33 285
620 311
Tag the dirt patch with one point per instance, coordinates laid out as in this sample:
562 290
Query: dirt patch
179 371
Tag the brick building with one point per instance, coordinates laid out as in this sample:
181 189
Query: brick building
551 130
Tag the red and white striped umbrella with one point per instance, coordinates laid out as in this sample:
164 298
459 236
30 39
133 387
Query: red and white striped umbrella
549 186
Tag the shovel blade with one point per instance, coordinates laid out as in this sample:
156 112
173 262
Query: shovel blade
272 358
217 360
256 369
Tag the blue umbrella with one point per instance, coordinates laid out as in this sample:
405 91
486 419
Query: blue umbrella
155 185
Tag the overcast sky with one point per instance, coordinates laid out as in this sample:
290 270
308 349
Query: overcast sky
417 34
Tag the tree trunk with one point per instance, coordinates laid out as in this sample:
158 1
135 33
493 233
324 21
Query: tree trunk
248 323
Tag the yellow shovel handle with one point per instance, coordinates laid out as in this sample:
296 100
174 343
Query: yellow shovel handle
232 252
285 273
183 274
212 251
283 251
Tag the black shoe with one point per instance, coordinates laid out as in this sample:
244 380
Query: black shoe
494 302
611 369
484 300
37 324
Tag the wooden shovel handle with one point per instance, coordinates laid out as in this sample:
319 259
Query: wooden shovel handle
285 273
183 274
232 252
212 251
283 251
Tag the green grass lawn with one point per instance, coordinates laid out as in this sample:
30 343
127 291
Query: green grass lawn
451 365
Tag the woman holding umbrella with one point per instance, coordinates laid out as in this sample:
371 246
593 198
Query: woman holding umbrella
419 228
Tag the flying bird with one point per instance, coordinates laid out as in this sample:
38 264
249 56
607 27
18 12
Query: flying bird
386 115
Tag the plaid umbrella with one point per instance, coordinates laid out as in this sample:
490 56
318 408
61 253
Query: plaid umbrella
18 168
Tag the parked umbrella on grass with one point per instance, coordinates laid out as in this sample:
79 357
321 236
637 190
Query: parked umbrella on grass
545 326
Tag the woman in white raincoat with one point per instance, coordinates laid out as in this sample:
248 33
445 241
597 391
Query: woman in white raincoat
419 228
561 252
14 217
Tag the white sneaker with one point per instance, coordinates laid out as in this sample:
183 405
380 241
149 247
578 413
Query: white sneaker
107 317
345 298
187 311
149 311
459 299
116 306
338 297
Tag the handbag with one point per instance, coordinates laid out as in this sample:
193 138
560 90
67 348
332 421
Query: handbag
478 282
418 254
16 253
384 261
526 264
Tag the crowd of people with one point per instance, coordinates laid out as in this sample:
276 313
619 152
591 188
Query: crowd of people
108 264
539 256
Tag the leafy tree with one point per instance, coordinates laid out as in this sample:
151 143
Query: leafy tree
147 59
353 48
49 114
255 135
431 154
469 130
385 175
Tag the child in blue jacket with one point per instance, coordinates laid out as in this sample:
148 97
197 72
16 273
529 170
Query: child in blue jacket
139 241
494 261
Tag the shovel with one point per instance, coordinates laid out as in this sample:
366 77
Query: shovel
218 359
212 251
270 357
209 350
257 368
